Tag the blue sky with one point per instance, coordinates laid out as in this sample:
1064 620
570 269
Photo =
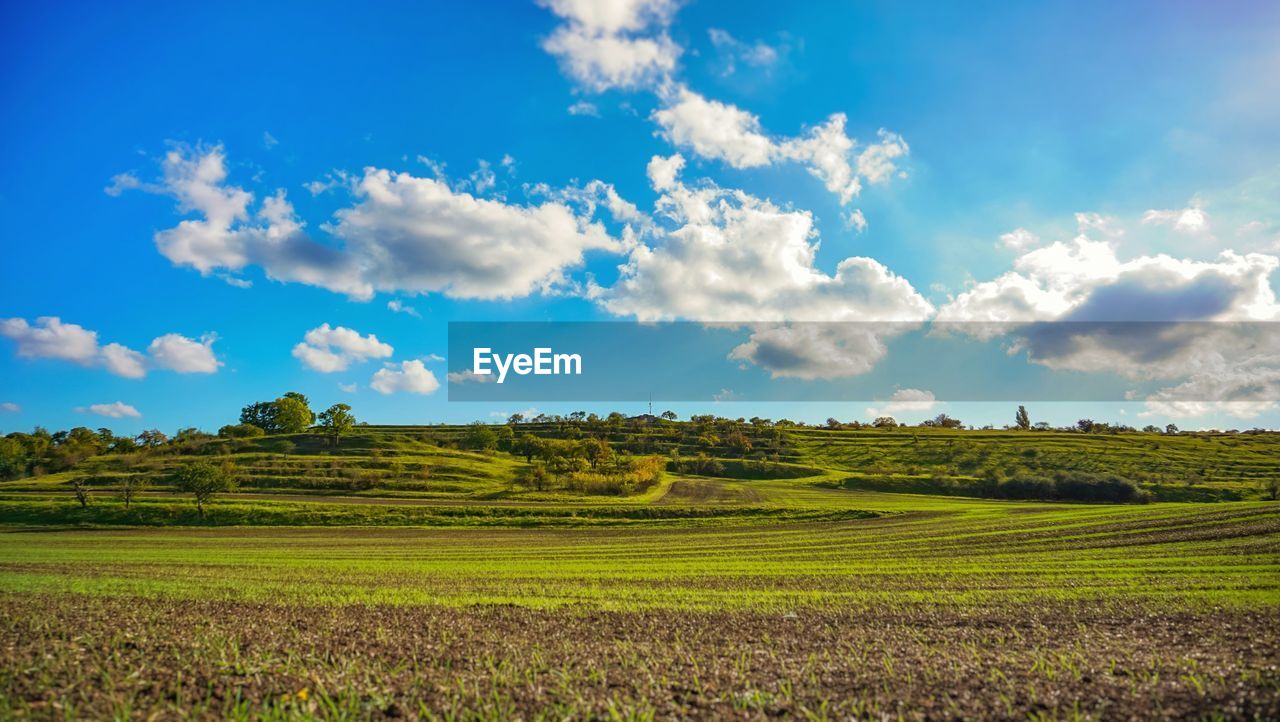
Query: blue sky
1158 120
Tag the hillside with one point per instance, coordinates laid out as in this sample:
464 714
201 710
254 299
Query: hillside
699 462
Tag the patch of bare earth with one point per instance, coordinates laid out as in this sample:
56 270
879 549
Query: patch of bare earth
82 657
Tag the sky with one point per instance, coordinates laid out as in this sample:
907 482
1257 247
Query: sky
209 206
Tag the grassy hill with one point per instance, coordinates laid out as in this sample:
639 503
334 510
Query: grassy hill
707 462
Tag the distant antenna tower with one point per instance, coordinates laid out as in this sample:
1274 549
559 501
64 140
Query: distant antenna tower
651 404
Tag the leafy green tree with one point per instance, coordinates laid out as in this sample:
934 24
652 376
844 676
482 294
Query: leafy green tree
302 400
528 446
336 421
151 438
596 450
1022 419
240 431
203 479
261 414
479 437
292 416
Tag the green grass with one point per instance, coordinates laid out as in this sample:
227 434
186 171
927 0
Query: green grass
800 593
921 550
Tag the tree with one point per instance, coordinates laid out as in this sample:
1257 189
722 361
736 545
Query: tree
261 414
528 446
515 419
336 421
152 438
1271 487
293 416
1022 418
129 488
943 421
1171 429
81 491
300 399
240 431
596 450
202 479
882 422
669 415
479 437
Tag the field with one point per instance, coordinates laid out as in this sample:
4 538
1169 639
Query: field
776 587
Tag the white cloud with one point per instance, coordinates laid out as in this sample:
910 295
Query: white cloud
10 407
51 338
720 131
269 141
1198 307
714 130
615 43
404 233
329 349
732 51
905 401
396 306
124 361
408 376
116 410
347 388
1240 392
184 355
469 377
855 220
1020 240
734 258
122 182
582 107
1185 220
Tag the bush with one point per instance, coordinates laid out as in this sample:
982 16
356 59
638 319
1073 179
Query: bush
1076 486
240 431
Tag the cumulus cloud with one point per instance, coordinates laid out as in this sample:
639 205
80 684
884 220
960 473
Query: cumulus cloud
408 377
615 43
905 401
583 107
329 349
469 377
186 356
124 361
403 233
714 130
724 132
759 55
49 337
1076 305
1020 240
397 306
1184 220
10 407
116 410
730 257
